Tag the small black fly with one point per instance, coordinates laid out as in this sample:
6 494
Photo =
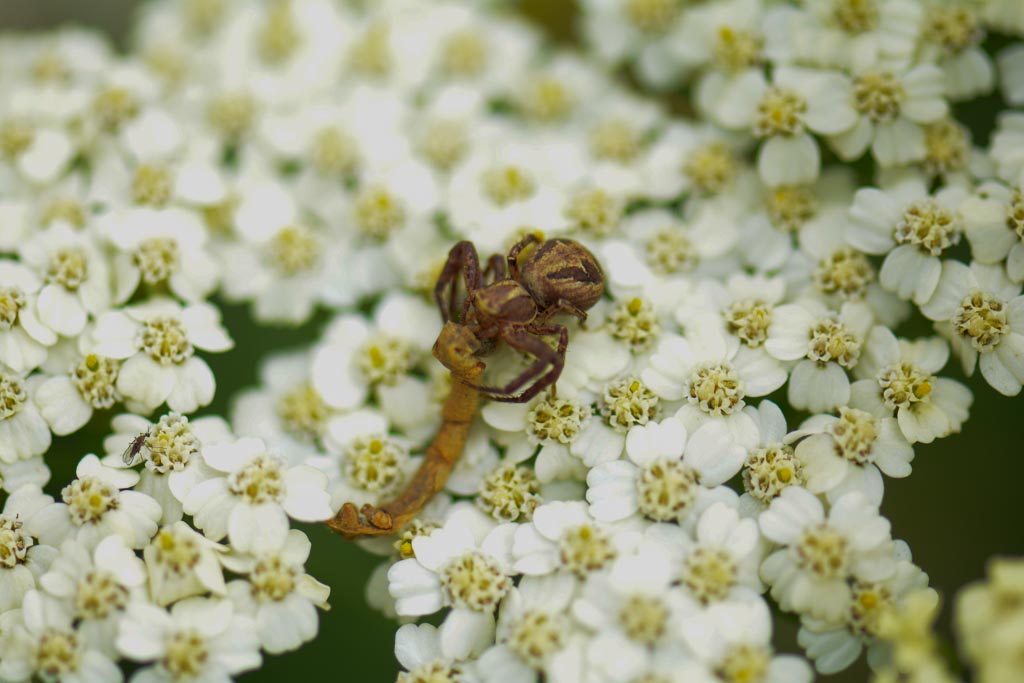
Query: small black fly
133 449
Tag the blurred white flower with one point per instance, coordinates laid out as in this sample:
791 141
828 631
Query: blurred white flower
279 594
41 640
199 637
819 554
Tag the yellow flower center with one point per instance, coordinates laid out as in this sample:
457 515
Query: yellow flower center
594 212
89 499
98 595
981 318
57 654
634 322
929 226
749 319
744 663
736 49
628 402
95 377
170 444
157 258
769 470
474 581
846 272
295 249
12 300
712 168
832 341
374 463
114 106
303 411
14 542
780 112
509 493
152 186
947 147
878 95
666 488
855 16
185 654
12 395
464 54
553 419
272 579
68 267
854 434
905 384
507 184
653 16
546 99
537 635
370 55
386 359
232 113
709 573
260 481
643 618
616 140
378 213
823 551
717 389
279 37
953 28
165 340
585 549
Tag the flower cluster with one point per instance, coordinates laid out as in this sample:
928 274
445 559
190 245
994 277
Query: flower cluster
637 526
173 547
111 570
988 616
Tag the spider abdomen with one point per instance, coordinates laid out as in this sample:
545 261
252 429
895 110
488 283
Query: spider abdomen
562 269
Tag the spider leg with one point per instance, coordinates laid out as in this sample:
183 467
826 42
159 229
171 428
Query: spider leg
462 258
554 328
545 370
513 253
495 269
562 306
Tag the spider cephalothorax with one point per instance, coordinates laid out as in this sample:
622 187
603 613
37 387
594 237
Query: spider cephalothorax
543 278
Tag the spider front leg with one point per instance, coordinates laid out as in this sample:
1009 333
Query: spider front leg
495 269
513 253
462 258
545 370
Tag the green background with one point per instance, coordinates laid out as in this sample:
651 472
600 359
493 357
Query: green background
962 504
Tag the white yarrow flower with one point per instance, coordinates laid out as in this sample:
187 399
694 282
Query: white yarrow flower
819 554
199 638
253 496
156 342
279 595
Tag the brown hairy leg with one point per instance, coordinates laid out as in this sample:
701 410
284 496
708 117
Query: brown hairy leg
462 258
495 269
546 368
